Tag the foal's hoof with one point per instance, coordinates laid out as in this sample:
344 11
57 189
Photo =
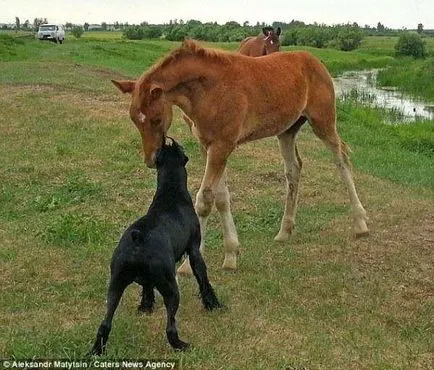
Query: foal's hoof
362 234
281 237
361 229
230 262
185 269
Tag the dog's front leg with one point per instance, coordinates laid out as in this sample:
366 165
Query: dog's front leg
207 294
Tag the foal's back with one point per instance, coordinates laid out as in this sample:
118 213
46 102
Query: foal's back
252 46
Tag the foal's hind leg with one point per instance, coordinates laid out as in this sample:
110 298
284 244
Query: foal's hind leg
340 152
292 164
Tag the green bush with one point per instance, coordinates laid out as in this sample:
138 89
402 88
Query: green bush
411 44
77 31
348 38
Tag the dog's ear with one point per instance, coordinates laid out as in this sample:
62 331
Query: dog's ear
137 237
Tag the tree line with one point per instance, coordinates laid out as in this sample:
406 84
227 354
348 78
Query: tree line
342 36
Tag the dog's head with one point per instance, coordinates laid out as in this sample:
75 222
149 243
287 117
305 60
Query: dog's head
171 153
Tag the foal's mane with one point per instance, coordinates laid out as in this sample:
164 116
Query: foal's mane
191 48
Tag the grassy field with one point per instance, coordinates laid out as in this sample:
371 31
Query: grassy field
72 178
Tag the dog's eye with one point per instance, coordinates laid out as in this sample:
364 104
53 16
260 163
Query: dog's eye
156 121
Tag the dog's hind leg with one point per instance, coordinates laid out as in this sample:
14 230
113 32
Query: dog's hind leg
148 299
169 290
115 291
209 299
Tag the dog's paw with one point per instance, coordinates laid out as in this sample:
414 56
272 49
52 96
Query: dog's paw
179 345
147 310
211 303
95 351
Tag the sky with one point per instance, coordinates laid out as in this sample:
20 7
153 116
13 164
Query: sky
391 13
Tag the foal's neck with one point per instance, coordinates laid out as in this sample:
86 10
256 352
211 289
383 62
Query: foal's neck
182 78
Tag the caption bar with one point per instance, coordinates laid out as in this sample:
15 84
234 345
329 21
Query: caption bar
89 364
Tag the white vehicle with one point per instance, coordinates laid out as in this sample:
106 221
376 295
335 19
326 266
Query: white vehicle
52 32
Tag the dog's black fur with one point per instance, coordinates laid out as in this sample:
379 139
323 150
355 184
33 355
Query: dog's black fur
150 247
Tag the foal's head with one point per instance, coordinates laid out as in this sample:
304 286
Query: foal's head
271 39
150 112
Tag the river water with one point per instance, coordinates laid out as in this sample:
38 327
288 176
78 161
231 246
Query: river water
362 86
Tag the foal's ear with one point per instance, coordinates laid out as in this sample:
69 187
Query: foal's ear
126 86
156 92
278 31
265 31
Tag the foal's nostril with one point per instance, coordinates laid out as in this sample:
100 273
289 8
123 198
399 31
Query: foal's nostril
150 162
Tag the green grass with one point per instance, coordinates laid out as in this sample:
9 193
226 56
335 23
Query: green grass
72 178
412 76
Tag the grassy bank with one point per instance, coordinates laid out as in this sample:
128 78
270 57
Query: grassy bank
412 76
133 57
72 177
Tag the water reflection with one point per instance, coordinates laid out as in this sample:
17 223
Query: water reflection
362 86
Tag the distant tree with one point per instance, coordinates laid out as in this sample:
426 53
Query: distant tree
77 31
104 26
26 24
411 44
68 25
348 37
193 23
17 23
86 26
380 27
38 21
420 28
232 24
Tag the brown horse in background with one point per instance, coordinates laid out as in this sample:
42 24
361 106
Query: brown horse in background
264 44
233 99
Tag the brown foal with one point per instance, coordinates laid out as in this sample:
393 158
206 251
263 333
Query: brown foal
232 99
264 44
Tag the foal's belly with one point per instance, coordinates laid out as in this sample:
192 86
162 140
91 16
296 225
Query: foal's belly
255 129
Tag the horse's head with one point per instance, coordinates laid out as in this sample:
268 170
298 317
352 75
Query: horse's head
271 39
150 112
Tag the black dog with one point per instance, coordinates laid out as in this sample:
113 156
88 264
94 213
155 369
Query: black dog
150 247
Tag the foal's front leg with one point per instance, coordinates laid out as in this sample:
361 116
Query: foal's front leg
213 189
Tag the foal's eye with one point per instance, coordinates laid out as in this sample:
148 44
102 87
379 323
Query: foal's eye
156 121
